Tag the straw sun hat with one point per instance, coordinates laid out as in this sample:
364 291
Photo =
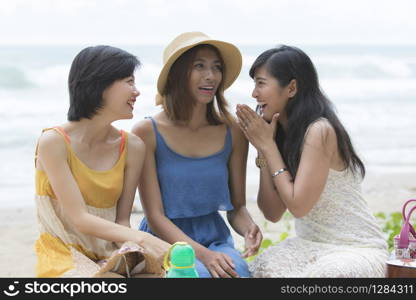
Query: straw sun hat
229 53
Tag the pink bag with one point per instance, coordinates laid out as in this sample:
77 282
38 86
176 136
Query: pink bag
405 242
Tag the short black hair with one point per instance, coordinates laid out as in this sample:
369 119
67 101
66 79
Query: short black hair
92 71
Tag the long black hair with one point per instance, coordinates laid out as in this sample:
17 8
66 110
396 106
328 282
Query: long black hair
286 63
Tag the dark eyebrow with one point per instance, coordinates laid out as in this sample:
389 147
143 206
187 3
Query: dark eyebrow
204 60
260 78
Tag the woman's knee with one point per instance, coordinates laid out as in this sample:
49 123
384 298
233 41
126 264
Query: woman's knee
241 267
202 270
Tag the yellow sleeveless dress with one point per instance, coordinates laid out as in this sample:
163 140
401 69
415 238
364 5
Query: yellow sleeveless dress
62 251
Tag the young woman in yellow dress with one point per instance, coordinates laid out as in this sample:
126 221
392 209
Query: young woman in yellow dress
87 173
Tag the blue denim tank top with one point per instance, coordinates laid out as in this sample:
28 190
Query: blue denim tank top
189 186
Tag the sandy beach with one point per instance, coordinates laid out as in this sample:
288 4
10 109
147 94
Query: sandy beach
384 193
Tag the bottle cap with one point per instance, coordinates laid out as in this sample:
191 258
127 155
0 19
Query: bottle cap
180 261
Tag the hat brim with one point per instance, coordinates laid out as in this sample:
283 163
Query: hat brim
229 53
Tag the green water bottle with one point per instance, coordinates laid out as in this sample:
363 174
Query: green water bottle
180 261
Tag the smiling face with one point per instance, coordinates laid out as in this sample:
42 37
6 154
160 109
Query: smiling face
119 98
270 95
205 76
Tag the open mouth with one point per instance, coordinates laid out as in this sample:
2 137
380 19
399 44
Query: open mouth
207 89
260 109
131 103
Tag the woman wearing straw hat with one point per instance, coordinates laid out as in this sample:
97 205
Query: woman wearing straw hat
196 157
87 173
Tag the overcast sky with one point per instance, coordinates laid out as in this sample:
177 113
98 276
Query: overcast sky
239 21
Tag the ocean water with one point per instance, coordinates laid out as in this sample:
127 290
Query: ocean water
373 89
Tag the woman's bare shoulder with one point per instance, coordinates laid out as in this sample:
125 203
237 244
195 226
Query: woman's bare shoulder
321 133
50 139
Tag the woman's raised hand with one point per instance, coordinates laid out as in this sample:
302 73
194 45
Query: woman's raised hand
258 132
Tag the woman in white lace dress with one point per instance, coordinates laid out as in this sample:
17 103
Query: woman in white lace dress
308 166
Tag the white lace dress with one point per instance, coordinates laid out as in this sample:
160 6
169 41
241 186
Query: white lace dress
339 237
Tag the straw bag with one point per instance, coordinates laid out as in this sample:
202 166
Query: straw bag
131 260
405 242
